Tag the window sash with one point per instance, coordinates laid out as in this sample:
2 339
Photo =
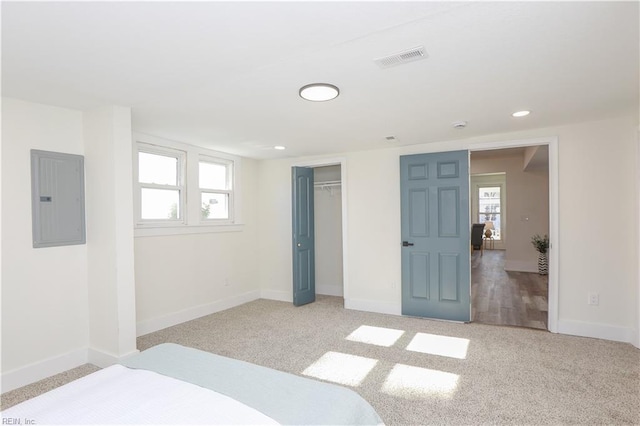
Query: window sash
229 206
227 164
180 187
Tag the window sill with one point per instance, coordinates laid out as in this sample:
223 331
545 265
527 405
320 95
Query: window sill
149 231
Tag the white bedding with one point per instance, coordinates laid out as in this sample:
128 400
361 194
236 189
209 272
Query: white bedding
119 395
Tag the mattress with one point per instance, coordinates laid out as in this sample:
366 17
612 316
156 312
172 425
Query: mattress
173 384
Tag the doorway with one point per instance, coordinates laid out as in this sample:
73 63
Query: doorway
328 230
549 145
328 198
513 185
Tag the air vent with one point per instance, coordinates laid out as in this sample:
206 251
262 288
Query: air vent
401 57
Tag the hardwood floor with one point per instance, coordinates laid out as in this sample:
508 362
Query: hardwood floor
499 297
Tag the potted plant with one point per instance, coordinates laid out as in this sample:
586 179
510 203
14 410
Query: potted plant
541 245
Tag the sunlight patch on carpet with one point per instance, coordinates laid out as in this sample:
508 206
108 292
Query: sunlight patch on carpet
378 336
419 383
452 347
341 368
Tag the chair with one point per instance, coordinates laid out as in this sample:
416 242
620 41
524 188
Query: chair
477 230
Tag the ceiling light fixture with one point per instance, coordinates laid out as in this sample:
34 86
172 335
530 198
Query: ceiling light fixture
279 147
521 113
319 92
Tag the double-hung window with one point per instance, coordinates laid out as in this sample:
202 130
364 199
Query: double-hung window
184 189
215 177
160 183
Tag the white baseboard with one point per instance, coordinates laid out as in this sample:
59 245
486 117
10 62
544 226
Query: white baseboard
283 296
329 289
373 306
155 324
104 359
635 338
520 266
598 331
41 370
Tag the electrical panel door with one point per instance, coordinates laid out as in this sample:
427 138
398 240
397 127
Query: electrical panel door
57 199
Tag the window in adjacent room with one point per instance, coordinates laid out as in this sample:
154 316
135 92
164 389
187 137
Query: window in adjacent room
488 193
215 176
161 184
489 211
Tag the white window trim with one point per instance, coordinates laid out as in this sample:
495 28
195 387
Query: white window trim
192 218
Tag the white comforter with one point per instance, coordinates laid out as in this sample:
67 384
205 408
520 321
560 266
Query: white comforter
119 395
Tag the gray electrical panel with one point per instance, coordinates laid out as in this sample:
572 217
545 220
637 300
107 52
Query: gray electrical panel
57 199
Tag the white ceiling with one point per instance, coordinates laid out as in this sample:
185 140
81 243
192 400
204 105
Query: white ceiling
226 75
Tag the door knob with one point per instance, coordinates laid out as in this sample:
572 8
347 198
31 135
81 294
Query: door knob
299 245
406 244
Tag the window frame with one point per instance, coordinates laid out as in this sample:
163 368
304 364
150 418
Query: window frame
180 156
191 221
229 165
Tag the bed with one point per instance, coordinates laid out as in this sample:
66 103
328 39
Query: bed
173 384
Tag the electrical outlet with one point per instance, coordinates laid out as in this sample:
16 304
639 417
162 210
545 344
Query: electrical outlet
594 299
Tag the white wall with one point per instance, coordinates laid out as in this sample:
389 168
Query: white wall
274 225
596 160
65 306
112 316
44 290
181 277
527 196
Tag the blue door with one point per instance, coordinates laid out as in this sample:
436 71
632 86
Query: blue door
304 286
435 235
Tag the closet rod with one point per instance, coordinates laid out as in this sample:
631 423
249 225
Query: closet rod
328 183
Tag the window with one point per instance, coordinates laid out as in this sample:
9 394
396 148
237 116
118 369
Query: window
160 184
215 178
181 188
489 208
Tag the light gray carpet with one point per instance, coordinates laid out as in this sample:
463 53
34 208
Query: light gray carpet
17 396
507 376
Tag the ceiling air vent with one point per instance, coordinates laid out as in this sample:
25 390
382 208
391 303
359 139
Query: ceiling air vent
401 57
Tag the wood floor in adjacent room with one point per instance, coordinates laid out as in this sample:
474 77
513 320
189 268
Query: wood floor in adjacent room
499 297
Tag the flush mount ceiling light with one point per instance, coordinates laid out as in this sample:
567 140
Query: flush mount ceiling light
319 92
279 147
521 113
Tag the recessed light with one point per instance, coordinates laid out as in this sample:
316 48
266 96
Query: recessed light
521 113
319 92
279 147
